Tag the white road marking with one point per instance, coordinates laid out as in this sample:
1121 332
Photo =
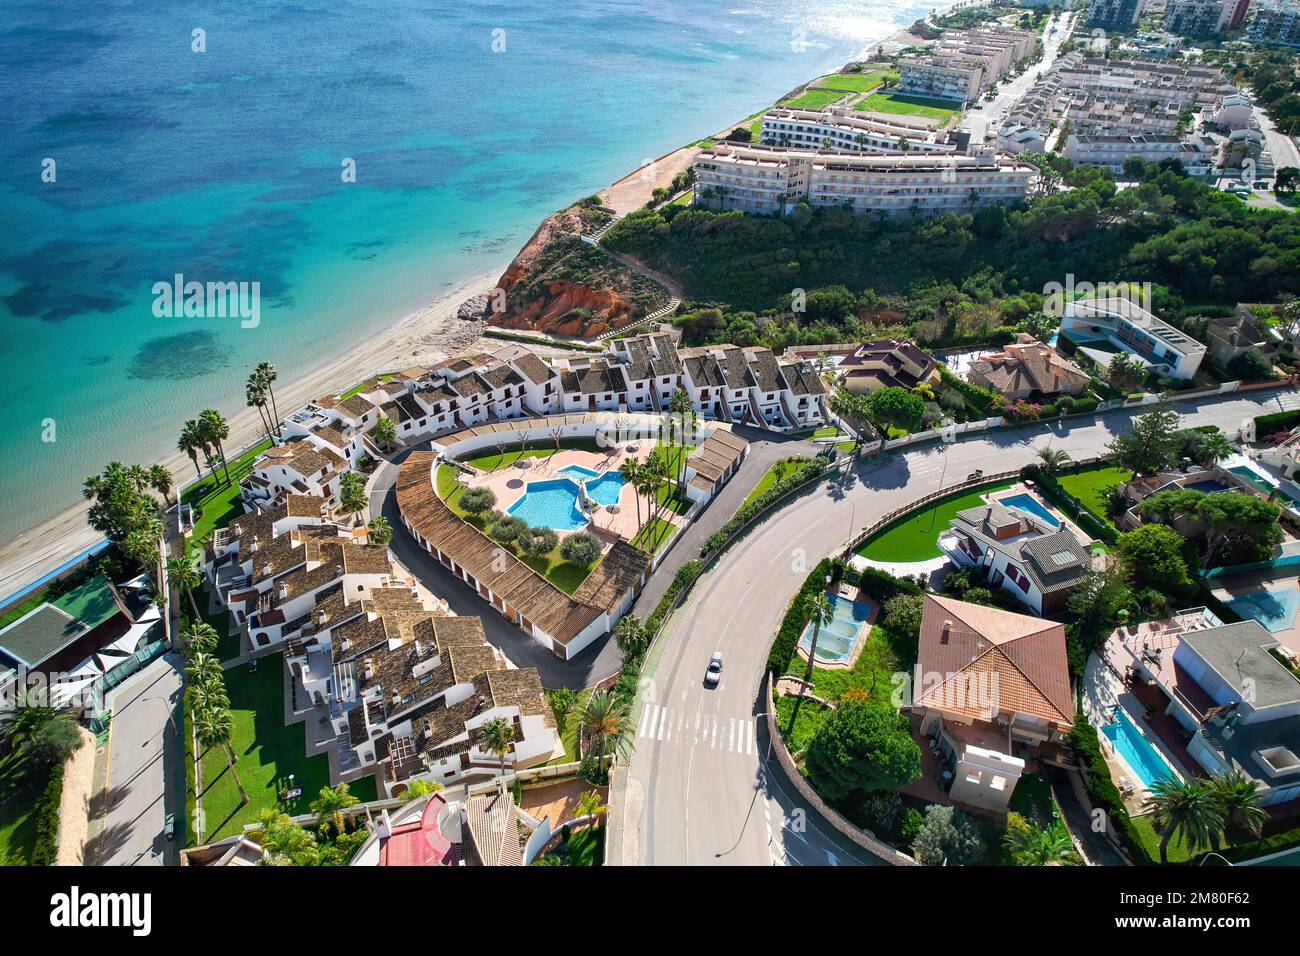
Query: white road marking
647 721
663 718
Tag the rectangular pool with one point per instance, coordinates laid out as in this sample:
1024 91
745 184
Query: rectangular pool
1027 502
1136 750
836 638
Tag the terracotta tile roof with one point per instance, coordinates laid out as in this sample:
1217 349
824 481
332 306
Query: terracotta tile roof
532 368
621 570
1025 654
303 506
1028 365
355 406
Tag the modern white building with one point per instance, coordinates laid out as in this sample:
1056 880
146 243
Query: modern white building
1099 327
1197 153
854 131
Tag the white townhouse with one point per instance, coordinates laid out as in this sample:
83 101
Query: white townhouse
296 467
652 369
591 385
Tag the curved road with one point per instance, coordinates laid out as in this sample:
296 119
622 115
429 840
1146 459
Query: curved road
698 790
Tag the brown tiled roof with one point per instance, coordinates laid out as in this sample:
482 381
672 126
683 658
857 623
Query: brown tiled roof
1026 655
303 506
620 571
533 368
366 559
1028 365
355 406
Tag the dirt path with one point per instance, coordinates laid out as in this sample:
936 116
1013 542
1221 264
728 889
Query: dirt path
74 807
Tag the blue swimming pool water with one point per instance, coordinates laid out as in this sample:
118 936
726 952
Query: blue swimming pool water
836 638
1207 487
578 473
550 504
1274 609
1136 750
602 489
1030 503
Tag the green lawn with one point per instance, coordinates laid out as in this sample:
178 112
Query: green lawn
1276 834
652 537
18 795
215 503
585 847
666 495
781 469
570 736
1091 486
856 82
916 538
904 105
812 99
811 715
872 672
494 459
367 385
268 751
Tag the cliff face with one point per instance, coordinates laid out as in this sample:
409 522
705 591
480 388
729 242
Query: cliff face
562 285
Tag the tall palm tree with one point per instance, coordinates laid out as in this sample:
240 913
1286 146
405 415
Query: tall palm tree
190 443
255 397
204 666
680 404
498 735
381 532
329 806
207 695
266 376
186 576
214 727
162 481
1042 846
352 494
1238 799
215 430
605 723
591 806
1186 809
820 612
200 638
1053 459
1213 447
630 470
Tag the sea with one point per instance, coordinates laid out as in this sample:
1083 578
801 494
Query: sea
346 162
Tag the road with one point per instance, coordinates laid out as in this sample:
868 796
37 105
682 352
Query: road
1282 147
986 115
143 750
698 790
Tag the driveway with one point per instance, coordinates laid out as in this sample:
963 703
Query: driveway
143 771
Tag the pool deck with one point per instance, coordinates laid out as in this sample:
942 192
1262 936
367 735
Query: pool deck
1232 586
1030 489
620 521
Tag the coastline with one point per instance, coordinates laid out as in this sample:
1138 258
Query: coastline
420 336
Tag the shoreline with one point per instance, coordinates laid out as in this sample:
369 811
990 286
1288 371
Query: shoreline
46 546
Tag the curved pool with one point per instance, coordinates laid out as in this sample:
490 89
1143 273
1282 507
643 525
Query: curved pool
550 504
603 489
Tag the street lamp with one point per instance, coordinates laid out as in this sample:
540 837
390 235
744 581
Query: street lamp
168 705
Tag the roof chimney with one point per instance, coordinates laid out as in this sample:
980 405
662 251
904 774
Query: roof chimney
946 632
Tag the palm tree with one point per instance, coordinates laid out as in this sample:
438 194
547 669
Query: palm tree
284 842
1042 846
329 806
21 723
186 577
384 432
266 376
605 723
630 636
381 532
190 443
200 638
591 806
352 494
161 480
255 397
215 430
679 405
1238 799
203 667
1213 447
631 472
214 726
820 612
1053 459
498 735
1186 809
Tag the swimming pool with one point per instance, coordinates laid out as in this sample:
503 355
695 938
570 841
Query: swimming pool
1029 503
836 638
1136 750
603 489
1209 487
1275 609
550 504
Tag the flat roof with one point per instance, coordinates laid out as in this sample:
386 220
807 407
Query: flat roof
39 634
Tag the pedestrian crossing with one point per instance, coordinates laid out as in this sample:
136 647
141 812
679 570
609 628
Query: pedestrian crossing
668 725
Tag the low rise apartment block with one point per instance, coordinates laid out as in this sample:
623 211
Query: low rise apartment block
854 131
1197 154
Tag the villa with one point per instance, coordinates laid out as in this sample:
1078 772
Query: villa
992 688
1101 327
886 363
1035 557
1234 335
1028 369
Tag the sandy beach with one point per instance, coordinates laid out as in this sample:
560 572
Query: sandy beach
426 336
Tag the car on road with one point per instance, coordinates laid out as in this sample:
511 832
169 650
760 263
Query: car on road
169 826
713 673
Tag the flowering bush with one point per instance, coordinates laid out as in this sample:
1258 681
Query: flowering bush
1023 410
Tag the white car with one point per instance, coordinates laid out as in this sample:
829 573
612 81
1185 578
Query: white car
714 672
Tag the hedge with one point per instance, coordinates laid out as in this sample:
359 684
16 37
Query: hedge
682 581
792 625
1102 790
1275 422
880 584
809 471
1091 524
981 398
46 849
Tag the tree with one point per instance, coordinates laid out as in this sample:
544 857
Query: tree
1032 845
1186 809
591 806
630 470
381 532
200 638
820 612
477 501
187 577
1098 599
285 843
53 741
1150 444
1125 373
214 726
329 806
160 478
507 528
266 376
605 726
190 443
384 432
1206 448
419 787
1053 459
120 505
902 614
947 836
861 747
681 405
537 542
1251 365
255 397
630 636
580 548
895 406
215 430
498 735
352 494
1239 527
1154 553
1238 799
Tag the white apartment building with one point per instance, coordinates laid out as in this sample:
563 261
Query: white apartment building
770 180
852 131
1197 154
949 77
1122 323
1198 18
1274 21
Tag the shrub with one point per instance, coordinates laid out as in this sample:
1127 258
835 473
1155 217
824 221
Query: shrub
47 820
580 548
476 501
882 585
809 471
1276 421
902 614
862 747
508 528
948 836
536 542
1102 791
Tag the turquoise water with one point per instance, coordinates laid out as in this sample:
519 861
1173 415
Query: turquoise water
226 165
836 638
1275 609
1136 750
603 489
550 504
579 473
1030 503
